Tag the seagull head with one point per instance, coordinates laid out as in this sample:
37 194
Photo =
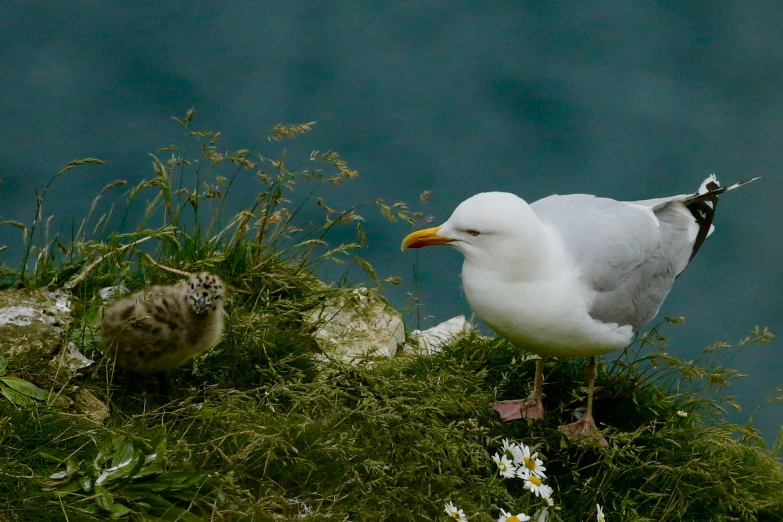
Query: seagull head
204 292
495 230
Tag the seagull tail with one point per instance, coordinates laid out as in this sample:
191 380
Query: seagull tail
711 186
702 206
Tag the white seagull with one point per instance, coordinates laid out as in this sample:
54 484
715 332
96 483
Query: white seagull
571 276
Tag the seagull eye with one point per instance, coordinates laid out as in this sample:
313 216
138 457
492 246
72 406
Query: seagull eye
473 233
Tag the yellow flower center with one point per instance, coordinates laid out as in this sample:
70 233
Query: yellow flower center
513 518
455 515
535 480
502 466
530 463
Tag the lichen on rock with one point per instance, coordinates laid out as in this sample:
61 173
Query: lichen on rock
356 325
32 323
90 406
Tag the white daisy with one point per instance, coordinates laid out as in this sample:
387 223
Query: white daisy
505 516
513 452
505 466
535 486
600 513
453 512
541 515
531 463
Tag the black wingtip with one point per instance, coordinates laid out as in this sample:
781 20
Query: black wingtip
703 204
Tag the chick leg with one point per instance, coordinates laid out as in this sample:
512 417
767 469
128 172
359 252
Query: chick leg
163 383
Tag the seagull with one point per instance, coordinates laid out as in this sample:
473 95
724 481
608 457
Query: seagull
161 327
572 275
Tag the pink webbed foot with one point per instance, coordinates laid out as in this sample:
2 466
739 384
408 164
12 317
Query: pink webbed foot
583 431
520 409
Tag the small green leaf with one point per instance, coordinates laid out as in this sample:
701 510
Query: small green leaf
3 364
171 480
123 456
69 488
177 514
137 466
113 474
49 457
160 451
120 510
100 459
86 483
104 499
25 387
71 466
15 397
161 507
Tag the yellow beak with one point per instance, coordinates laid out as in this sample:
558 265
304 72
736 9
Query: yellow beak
423 238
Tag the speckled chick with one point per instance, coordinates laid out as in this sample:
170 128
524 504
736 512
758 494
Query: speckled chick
161 327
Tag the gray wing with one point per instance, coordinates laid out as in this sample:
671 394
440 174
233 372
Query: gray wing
628 253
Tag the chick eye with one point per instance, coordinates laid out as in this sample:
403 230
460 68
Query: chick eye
473 232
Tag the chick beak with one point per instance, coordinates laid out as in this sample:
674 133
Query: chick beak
423 238
200 304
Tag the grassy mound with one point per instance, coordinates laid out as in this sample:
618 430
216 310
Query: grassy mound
391 442
263 428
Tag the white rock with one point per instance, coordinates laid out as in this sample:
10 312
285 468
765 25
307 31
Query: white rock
33 322
61 300
433 339
44 307
73 359
111 293
19 315
357 325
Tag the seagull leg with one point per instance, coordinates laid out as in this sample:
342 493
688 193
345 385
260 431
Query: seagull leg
530 408
163 383
585 427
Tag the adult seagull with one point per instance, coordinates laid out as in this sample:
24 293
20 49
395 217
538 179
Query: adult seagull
572 276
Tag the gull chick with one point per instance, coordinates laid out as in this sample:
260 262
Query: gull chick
572 276
161 327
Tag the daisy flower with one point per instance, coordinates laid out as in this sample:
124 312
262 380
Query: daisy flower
535 486
530 463
541 515
505 466
600 513
453 512
505 516
513 452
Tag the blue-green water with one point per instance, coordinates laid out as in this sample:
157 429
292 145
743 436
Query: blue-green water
628 100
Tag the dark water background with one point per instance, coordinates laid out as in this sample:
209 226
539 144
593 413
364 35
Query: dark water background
624 99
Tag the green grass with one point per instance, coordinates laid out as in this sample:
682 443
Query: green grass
263 428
